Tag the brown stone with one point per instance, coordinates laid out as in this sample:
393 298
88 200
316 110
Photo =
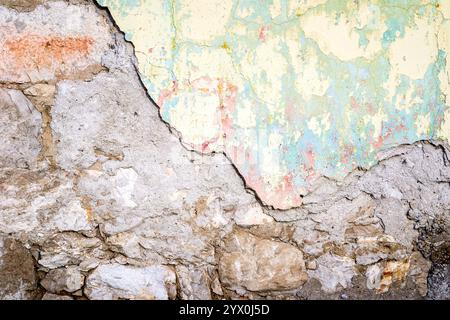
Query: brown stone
21 5
17 272
260 265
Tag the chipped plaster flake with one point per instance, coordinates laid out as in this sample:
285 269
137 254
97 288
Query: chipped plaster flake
319 125
250 215
72 217
115 281
125 181
293 90
334 272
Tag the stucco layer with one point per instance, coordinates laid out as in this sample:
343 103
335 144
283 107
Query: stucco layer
293 91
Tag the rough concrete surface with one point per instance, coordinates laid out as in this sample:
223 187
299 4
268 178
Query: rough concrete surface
99 198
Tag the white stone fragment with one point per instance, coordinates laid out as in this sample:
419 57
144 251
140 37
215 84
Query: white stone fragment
249 215
115 281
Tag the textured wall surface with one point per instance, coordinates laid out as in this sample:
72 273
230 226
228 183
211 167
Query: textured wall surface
293 90
280 160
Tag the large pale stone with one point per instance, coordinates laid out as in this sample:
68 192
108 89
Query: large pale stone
20 124
259 264
115 281
39 203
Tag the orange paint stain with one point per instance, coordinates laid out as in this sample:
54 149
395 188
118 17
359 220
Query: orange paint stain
32 51
89 214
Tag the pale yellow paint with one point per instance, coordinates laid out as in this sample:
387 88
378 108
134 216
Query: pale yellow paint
339 37
202 20
423 124
267 60
246 116
311 82
275 9
299 7
213 62
444 7
414 62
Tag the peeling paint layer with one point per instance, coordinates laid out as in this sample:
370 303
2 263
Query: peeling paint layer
294 90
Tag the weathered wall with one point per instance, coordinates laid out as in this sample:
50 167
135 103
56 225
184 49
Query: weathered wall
100 199
290 90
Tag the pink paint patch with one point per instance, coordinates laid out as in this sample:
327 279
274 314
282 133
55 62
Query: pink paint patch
348 151
205 146
290 112
262 34
354 104
377 144
167 94
310 159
